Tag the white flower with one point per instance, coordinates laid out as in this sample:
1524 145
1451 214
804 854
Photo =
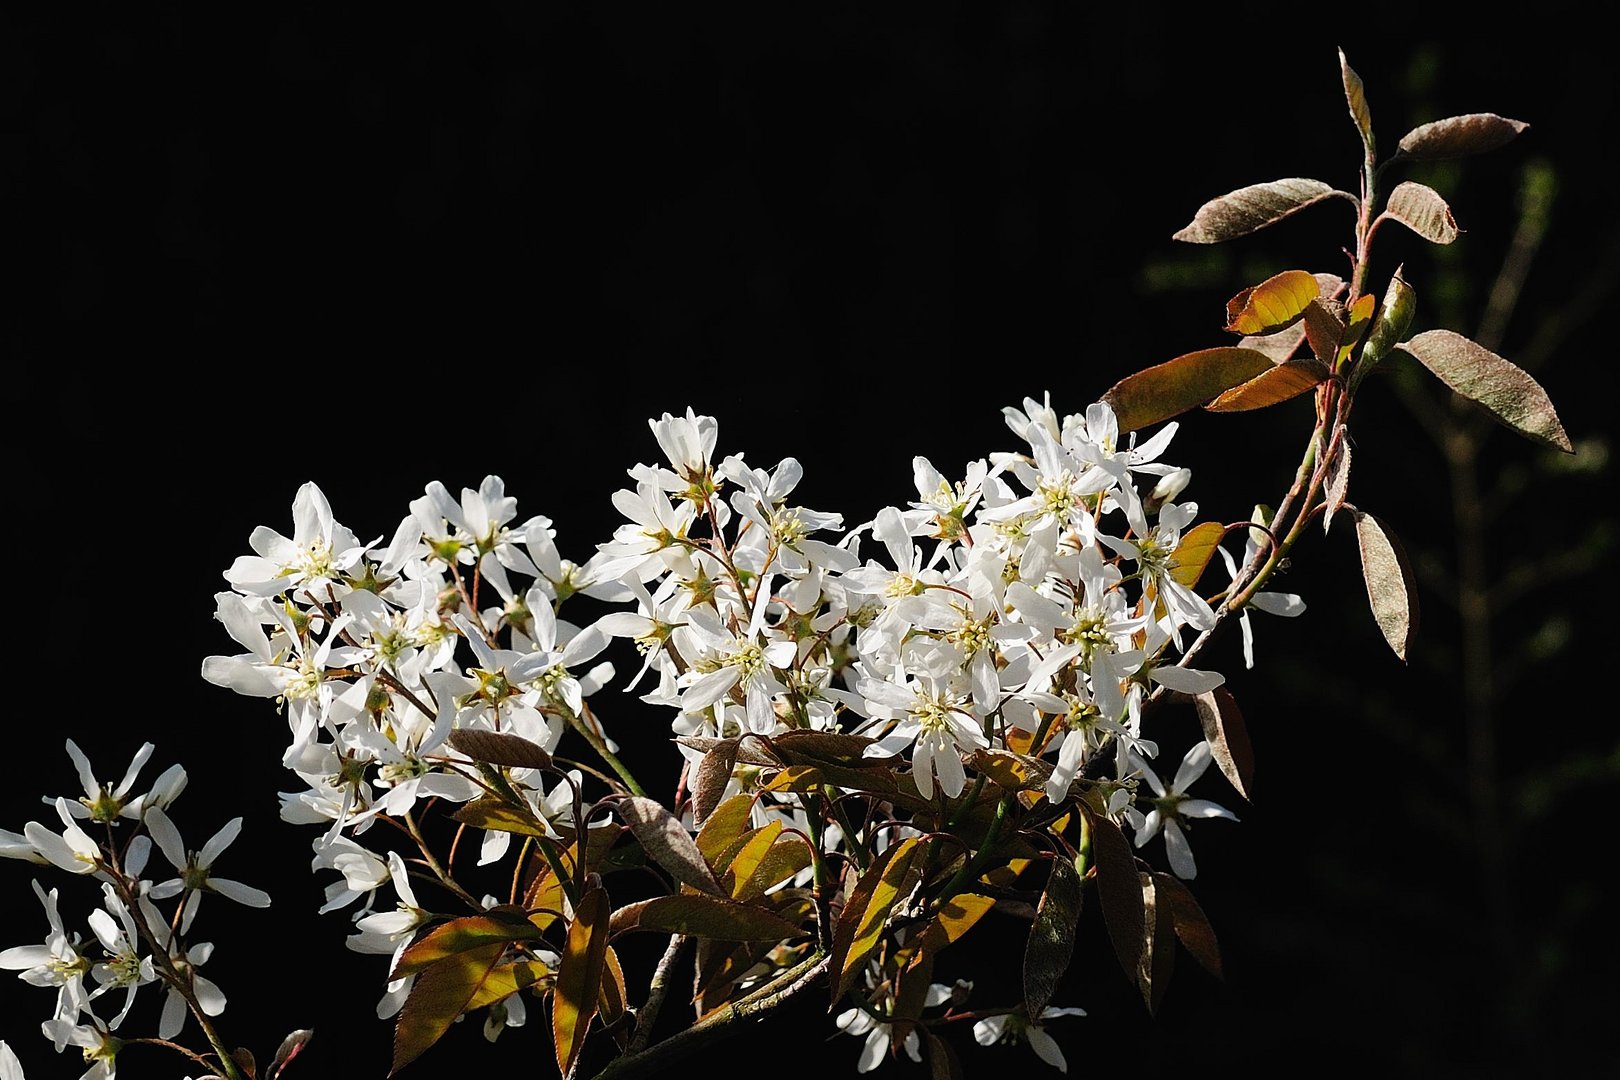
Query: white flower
196 867
73 851
124 968
100 803
57 962
390 932
318 553
10 1067
16 846
935 716
100 1047
1288 605
209 996
1011 1028
1172 807
688 442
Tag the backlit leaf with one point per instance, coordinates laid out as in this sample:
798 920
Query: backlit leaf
1119 889
1169 389
1458 136
955 918
500 748
440 994
1356 95
506 980
786 858
1228 738
1272 305
1051 936
1391 588
1421 209
579 977
1360 318
1281 383
497 925
701 916
1245 210
1158 957
1504 390
796 778
713 774
860 926
1191 925
501 816
667 842
610 1000
747 860
729 821
1196 548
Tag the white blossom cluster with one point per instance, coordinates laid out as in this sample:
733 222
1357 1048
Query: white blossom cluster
129 940
1030 605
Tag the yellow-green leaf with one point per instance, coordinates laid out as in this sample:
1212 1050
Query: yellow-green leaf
1051 936
728 822
495 926
795 778
955 918
747 860
1274 304
1193 553
506 980
1361 313
1169 389
501 816
860 927
610 1001
1394 316
703 916
1421 209
1391 588
667 842
579 977
1011 771
1498 386
787 857
441 993
1281 383
1245 210
1458 136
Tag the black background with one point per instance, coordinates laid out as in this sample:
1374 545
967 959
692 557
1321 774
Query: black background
378 251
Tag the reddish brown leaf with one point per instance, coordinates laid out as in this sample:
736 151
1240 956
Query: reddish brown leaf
1458 136
1245 210
1272 305
860 926
1119 889
1188 381
1504 390
667 842
1191 924
1422 210
1324 328
1281 383
713 774
500 748
1391 588
1359 318
610 1000
1228 738
703 916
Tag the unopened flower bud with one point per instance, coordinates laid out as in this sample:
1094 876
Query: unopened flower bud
1169 487
1394 317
